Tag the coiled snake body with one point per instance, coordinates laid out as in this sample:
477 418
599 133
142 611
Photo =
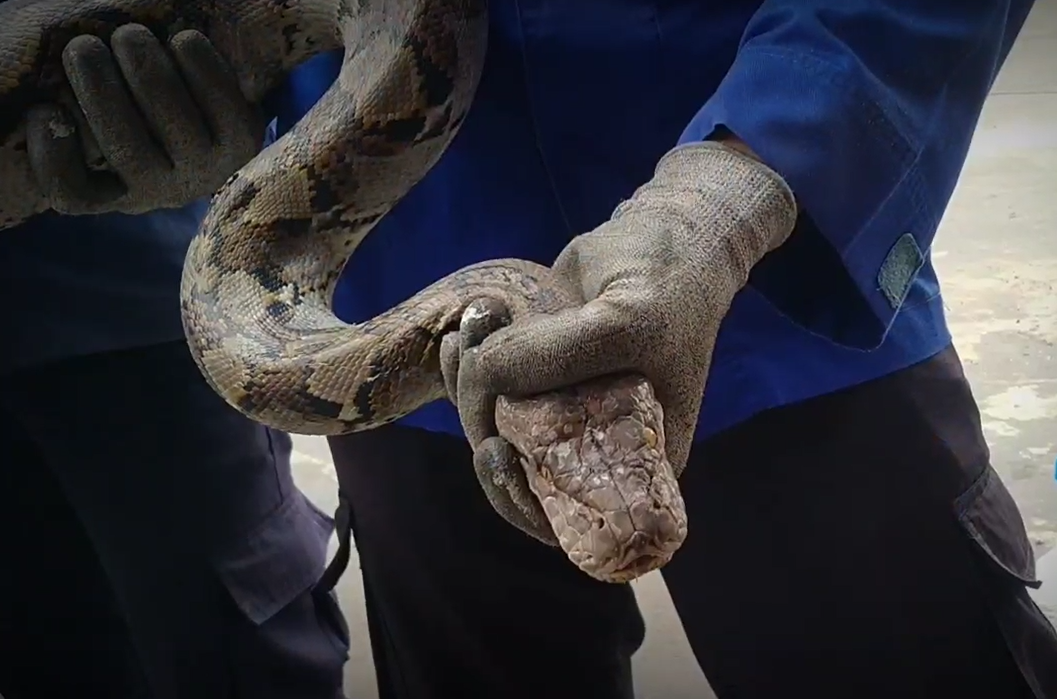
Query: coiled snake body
258 277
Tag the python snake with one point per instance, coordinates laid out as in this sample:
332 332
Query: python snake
259 276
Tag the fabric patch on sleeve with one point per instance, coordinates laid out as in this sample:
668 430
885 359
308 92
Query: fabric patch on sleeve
899 268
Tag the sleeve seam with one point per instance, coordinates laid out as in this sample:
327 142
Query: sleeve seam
837 77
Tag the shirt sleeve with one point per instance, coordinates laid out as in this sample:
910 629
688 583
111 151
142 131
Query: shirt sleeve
867 109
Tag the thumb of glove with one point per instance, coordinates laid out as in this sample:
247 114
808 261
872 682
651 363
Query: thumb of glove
611 334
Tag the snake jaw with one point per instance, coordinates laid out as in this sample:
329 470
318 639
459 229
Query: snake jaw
594 457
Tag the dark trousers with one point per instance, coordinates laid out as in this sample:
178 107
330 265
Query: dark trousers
855 545
152 543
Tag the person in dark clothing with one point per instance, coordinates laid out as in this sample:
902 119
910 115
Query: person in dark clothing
152 541
848 535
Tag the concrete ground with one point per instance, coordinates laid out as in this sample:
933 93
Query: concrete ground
997 257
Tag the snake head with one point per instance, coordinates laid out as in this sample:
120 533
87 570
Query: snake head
593 456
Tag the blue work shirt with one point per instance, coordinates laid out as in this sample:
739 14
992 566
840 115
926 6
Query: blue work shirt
867 109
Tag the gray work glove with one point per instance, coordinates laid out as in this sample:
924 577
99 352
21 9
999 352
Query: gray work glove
656 280
170 122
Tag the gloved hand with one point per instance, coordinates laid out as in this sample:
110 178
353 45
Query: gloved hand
656 280
170 122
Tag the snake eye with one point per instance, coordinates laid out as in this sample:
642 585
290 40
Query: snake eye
650 436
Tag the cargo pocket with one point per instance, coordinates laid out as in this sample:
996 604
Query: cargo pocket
279 560
992 520
989 515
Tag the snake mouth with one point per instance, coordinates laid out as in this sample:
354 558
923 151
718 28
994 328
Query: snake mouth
636 563
641 566
641 553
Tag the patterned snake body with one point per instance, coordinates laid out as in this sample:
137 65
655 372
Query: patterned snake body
259 276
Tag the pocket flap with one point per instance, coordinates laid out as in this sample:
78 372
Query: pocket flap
992 519
279 560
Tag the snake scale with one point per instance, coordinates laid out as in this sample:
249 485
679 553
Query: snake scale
259 275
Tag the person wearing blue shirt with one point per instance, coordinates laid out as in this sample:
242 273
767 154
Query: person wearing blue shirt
848 536
152 541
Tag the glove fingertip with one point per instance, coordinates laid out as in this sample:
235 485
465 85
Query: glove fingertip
499 472
130 36
449 365
481 318
215 85
203 67
89 66
475 400
81 49
191 41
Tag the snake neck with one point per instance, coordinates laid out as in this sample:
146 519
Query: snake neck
259 277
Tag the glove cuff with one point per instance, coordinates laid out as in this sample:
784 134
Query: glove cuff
714 172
